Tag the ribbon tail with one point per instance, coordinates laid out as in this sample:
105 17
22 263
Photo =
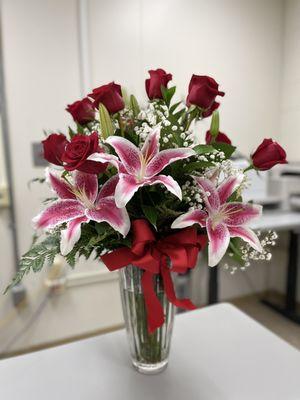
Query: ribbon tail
170 292
155 313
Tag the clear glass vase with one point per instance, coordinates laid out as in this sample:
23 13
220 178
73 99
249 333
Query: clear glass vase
149 352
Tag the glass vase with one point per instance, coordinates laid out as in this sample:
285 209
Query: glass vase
149 352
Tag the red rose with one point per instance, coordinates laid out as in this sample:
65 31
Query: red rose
158 78
82 111
221 138
110 95
78 150
54 147
268 154
203 91
210 110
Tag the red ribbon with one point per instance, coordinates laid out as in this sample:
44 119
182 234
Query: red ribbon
152 256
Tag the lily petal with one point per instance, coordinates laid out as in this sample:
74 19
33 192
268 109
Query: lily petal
71 235
59 212
190 218
125 189
228 186
61 187
128 153
219 237
109 187
209 192
105 158
166 157
86 183
151 145
107 211
236 214
246 234
168 182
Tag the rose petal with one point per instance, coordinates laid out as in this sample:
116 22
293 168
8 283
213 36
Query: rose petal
166 157
190 218
240 213
71 235
219 237
128 153
168 182
107 211
59 212
246 234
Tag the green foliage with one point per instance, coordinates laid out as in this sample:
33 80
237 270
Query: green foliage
105 122
168 94
203 149
34 260
134 105
150 213
227 149
214 124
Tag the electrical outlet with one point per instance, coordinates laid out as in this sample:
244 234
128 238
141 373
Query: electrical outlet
19 295
37 155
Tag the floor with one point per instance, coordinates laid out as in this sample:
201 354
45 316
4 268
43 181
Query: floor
286 329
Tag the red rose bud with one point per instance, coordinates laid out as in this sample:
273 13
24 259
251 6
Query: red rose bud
203 91
54 147
220 138
158 78
208 112
82 111
78 150
268 154
110 95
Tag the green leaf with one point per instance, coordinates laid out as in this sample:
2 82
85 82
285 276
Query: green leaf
105 122
134 105
100 228
174 106
203 149
227 149
71 132
197 165
168 93
150 213
214 125
125 97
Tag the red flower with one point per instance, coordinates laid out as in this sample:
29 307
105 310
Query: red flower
78 150
221 138
268 154
203 91
82 111
158 78
110 95
207 113
54 147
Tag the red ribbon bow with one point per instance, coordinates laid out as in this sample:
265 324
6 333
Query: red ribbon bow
152 256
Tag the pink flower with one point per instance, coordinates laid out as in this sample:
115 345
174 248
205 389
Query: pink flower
222 220
138 168
79 203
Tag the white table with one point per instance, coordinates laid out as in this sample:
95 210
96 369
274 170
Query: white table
218 353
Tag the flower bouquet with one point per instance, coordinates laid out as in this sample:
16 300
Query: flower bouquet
135 187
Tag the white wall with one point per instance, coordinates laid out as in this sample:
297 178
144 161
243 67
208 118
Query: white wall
290 105
237 42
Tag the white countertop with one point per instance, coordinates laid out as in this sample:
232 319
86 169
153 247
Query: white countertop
218 353
278 220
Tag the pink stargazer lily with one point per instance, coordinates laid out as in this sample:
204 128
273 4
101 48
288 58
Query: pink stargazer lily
222 220
79 203
138 168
